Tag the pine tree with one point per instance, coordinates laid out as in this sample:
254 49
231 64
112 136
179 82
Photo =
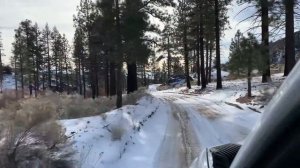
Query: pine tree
218 54
235 54
167 44
263 10
119 51
46 40
56 54
37 59
135 23
24 53
78 56
177 67
164 72
244 57
107 35
86 16
184 9
17 60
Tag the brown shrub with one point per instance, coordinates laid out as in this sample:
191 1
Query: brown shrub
131 99
30 135
9 97
74 106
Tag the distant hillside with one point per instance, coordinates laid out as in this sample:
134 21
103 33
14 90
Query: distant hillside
277 49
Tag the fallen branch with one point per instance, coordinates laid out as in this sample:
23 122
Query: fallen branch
234 105
253 109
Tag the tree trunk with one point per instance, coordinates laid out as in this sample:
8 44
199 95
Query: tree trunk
56 75
79 77
203 79
266 77
106 77
218 54
169 58
16 77
249 70
37 64
119 86
131 78
22 76
120 57
112 73
290 37
93 74
43 81
207 60
210 63
249 84
83 78
37 77
48 62
144 75
198 56
60 76
67 74
186 56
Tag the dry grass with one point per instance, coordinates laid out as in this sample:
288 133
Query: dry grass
74 106
132 98
63 106
245 99
30 135
9 97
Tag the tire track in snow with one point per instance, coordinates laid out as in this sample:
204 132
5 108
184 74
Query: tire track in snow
180 145
211 131
201 125
189 141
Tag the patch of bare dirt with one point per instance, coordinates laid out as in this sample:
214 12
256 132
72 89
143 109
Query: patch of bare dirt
245 100
203 91
171 99
209 113
163 87
185 90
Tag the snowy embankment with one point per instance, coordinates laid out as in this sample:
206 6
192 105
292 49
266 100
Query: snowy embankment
234 93
128 137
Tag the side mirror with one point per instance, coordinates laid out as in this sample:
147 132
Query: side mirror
217 157
224 155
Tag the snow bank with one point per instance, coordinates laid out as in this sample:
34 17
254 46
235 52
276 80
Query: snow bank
141 128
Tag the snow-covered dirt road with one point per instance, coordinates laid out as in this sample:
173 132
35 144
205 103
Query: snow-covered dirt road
165 130
180 145
196 124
